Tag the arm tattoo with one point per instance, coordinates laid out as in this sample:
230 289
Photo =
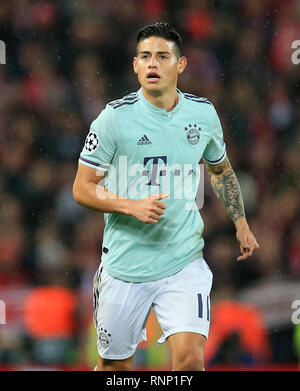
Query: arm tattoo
226 187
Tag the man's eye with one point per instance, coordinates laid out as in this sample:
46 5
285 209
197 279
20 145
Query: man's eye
163 57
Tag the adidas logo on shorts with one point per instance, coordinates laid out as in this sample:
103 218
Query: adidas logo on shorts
144 141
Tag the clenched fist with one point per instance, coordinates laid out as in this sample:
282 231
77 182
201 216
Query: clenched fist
148 210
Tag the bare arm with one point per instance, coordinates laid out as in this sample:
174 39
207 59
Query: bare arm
226 187
88 192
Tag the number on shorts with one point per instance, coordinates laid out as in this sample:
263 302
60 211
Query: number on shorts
200 306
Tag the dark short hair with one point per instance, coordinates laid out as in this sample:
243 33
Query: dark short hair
162 30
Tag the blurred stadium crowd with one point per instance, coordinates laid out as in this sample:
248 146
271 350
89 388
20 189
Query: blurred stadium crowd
65 59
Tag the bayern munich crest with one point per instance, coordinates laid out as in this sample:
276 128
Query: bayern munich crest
91 142
193 133
104 337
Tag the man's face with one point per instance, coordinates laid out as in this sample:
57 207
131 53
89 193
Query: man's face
156 64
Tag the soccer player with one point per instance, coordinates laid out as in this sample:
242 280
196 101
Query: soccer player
139 166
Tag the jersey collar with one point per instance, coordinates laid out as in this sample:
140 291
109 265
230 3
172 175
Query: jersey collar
158 110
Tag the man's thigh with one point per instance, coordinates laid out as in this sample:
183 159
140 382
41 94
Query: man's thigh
121 310
185 344
183 305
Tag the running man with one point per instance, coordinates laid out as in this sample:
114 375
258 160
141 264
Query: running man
139 166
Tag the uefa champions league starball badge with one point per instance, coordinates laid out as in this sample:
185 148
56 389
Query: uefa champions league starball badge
193 134
91 142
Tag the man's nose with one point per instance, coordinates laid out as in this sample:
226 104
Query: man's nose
153 62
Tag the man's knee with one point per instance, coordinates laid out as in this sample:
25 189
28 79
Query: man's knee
187 351
114 365
191 362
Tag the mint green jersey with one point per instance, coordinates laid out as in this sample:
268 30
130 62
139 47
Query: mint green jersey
143 149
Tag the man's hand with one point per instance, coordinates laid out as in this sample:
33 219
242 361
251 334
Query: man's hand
149 210
248 243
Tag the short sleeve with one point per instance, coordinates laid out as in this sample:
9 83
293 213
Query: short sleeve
100 143
215 151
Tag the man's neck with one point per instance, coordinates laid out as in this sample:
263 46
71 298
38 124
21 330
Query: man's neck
165 101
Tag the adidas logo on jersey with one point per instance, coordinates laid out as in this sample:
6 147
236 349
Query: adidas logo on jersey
144 141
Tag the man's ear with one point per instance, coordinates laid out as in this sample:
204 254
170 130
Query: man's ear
182 62
135 64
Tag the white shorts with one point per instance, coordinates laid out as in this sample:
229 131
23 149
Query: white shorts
121 309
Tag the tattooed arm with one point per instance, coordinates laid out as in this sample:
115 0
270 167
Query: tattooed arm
226 187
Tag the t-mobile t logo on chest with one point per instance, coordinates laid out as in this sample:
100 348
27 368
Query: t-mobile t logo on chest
155 164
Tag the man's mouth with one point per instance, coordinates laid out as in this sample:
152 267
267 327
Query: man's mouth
153 77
